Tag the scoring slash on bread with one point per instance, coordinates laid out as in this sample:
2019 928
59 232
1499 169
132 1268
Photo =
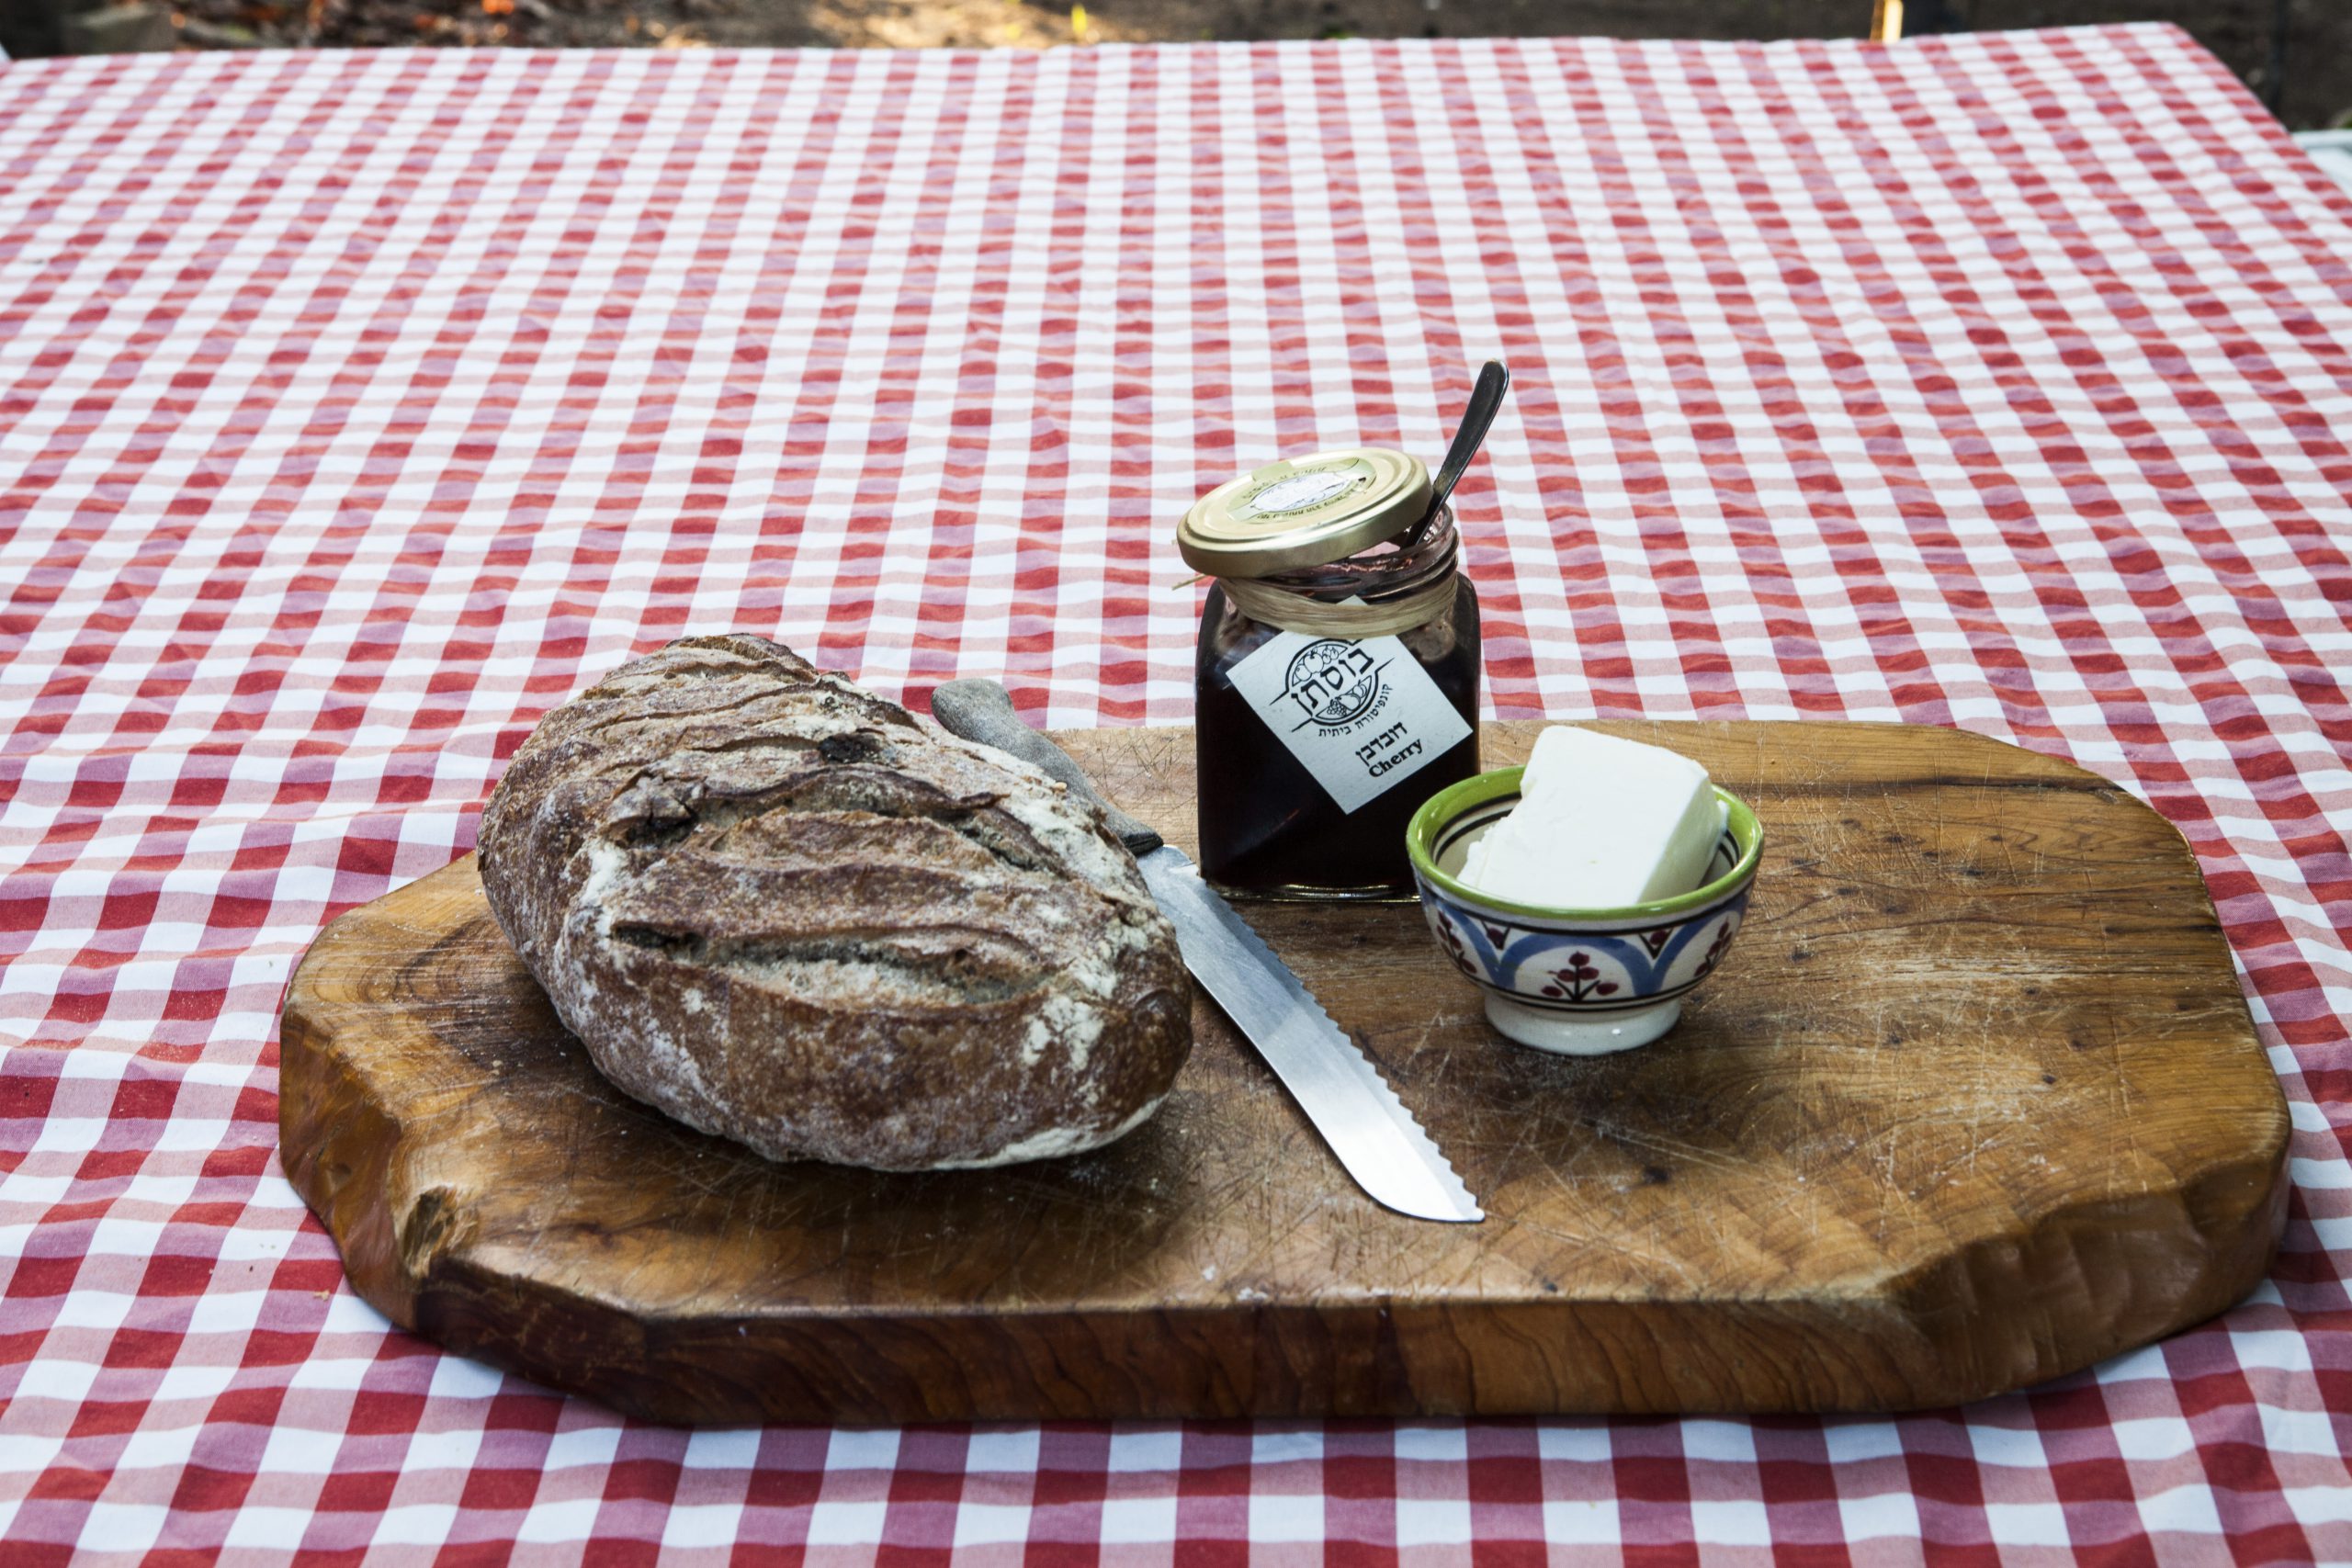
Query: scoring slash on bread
786 911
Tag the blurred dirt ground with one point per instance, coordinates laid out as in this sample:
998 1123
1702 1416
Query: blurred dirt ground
2303 68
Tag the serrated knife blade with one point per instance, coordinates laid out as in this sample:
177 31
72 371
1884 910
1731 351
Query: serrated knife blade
1366 1126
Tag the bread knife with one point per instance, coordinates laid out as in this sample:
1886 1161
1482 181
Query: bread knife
1360 1117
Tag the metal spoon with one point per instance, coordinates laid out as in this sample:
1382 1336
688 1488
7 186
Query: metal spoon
1485 398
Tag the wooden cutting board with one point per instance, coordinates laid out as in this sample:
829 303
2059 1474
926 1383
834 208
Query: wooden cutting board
1974 1101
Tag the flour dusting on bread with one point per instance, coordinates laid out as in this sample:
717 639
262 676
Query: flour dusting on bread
786 911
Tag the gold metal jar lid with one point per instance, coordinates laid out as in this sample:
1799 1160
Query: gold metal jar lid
1304 512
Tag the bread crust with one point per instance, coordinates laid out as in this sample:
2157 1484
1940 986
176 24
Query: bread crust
786 911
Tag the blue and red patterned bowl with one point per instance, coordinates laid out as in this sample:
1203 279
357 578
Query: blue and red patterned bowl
1576 981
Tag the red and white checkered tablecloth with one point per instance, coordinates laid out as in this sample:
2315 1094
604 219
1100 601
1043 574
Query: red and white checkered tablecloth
357 408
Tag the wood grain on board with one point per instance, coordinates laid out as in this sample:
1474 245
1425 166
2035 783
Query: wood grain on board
1974 1101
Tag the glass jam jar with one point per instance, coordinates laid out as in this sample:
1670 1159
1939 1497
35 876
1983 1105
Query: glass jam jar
1337 678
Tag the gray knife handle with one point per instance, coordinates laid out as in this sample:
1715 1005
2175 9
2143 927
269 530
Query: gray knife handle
982 711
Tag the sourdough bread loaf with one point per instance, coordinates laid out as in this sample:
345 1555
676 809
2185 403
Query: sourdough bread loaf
786 911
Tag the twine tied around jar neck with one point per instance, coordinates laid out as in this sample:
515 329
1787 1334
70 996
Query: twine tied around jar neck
1353 618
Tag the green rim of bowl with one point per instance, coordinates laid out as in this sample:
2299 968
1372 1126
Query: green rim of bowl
1439 809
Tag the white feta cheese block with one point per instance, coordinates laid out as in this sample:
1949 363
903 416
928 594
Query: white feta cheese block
1600 823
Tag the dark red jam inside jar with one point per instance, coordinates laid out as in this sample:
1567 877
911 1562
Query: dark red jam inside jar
1269 826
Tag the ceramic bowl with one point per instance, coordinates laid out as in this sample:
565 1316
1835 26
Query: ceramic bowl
1576 981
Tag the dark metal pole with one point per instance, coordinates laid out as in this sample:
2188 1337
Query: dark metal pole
2274 89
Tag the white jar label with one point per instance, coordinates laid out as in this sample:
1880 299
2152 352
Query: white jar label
1361 716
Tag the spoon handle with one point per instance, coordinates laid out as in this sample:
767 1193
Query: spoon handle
1486 401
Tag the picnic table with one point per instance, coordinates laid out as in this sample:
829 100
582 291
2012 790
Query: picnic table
357 408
